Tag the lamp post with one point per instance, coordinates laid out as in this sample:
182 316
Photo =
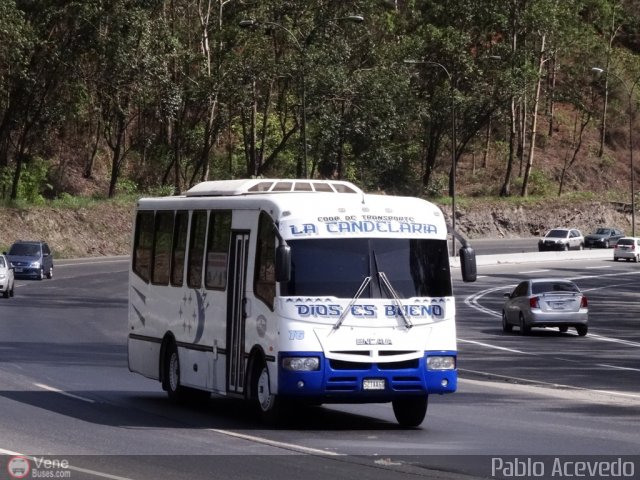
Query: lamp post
629 90
252 24
452 192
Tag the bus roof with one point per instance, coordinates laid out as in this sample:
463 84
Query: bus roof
342 211
250 186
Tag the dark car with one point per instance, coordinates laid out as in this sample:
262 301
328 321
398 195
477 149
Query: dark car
31 259
546 302
603 237
561 239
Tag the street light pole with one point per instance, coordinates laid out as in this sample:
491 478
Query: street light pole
630 114
452 192
303 67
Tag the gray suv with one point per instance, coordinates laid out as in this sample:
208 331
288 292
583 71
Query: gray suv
31 259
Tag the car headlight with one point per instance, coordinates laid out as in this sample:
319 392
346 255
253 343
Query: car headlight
34 264
2 276
441 363
301 364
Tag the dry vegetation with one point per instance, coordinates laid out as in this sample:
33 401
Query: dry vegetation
596 194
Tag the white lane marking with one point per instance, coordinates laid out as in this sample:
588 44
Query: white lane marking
614 340
612 393
596 268
61 392
615 367
273 443
488 345
535 271
95 473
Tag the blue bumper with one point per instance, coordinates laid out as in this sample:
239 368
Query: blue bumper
343 382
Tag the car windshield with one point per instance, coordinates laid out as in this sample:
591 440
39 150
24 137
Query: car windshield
557 234
25 250
2 264
554 286
603 231
338 267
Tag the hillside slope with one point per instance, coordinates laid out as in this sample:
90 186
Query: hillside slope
105 228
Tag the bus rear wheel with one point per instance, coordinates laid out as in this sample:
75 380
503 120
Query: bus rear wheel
410 411
171 376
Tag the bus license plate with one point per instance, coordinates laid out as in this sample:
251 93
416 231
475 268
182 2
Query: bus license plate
373 384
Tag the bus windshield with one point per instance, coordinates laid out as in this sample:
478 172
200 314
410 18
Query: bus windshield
338 267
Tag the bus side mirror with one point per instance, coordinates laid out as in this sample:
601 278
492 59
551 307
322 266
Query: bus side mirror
283 263
468 264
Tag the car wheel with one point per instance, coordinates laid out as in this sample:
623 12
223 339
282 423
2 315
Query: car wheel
506 326
50 273
524 328
13 286
581 246
563 329
615 259
5 294
41 275
566 247
606 244
636 258
582 330
410 411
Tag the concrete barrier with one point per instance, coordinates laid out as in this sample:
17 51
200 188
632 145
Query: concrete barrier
531 257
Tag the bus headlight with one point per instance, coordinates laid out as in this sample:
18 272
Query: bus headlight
441 363
301 364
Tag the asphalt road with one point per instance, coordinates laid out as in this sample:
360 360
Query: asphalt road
66 392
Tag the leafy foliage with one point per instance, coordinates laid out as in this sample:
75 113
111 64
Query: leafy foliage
166 94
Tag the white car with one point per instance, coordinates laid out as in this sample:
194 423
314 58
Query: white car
627 248
6 277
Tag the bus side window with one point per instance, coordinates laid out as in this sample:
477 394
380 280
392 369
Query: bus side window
143 244
218 250
179 248
162 248
264 284
196 248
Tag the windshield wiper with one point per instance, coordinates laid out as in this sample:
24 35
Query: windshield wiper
363 285
396 299
391 290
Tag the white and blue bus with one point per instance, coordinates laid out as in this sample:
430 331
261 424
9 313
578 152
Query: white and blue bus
280 291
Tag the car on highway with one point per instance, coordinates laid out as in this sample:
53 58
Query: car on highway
627 248
603 237
561 239
31 259
546 302
7 280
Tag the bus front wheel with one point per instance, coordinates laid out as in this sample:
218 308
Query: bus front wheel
267 404
410 411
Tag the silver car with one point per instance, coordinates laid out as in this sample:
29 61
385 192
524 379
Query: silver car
561 239
6 277
546 302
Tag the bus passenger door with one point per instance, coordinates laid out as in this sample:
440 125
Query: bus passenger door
236 314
